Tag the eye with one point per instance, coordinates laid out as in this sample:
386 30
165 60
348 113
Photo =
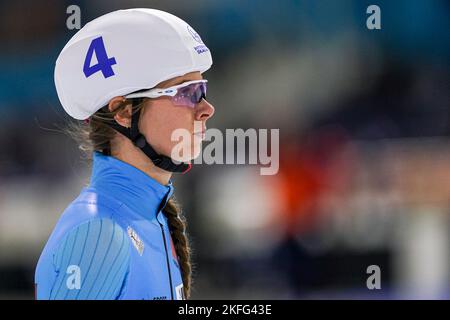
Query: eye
194 98
197 96
184 91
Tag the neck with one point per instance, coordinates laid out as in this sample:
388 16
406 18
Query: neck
127 152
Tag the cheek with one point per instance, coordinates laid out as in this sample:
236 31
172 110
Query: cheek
160 121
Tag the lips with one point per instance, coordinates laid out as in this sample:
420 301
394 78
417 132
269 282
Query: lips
201 134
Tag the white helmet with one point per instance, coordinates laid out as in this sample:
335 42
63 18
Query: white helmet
122 52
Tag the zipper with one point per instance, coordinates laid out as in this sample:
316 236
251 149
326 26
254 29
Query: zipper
167 259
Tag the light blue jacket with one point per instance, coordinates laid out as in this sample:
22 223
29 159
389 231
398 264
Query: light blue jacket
112 241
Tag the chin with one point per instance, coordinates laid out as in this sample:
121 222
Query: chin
195 151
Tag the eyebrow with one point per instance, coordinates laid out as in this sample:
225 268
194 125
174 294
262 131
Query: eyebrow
182 80
177 82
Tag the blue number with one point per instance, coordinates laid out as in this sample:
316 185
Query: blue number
104 63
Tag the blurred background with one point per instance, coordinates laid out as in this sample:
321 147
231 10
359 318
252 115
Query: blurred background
364 119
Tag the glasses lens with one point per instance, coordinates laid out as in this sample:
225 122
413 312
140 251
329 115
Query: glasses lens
199 93
190 95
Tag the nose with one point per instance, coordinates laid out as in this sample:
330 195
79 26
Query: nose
204 111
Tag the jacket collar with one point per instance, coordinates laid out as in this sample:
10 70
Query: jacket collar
129 185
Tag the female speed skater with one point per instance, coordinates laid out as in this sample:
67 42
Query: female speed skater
134 76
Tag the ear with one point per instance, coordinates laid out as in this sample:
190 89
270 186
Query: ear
122 117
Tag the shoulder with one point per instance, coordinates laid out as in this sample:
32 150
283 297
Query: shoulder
90 205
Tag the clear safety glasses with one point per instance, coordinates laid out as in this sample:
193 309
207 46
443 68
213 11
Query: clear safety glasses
188 93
